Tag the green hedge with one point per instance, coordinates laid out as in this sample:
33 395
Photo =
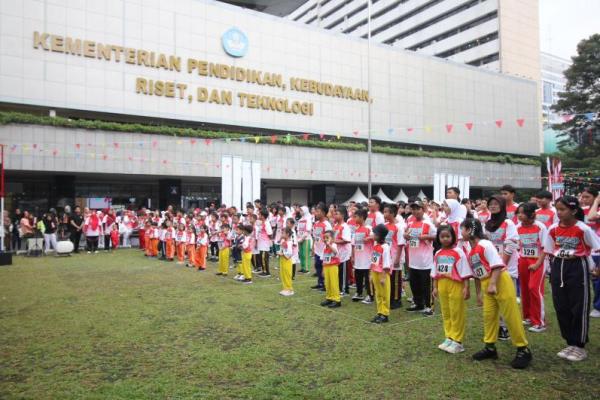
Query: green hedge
342 144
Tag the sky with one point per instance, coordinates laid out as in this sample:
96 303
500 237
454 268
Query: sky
563 23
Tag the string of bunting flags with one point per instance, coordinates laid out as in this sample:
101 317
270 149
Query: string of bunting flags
450 128
89 152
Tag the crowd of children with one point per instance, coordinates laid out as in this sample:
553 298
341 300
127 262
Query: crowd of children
506 249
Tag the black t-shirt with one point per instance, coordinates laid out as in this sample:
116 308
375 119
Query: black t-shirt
50 225
77 219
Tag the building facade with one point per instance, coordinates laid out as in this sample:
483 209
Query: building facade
184 63
553 82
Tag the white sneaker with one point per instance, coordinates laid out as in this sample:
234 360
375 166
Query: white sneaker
445 344
287 293
564 353
537 328
577 354
455 348
526 322
595 313
518 300
367 300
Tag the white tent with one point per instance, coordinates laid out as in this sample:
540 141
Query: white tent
401 197
383 197
357 197
421 195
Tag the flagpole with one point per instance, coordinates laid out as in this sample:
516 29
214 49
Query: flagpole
370 189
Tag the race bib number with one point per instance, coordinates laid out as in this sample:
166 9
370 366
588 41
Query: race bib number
375 257
444 269
327 259
479 270
389 237
359 241
529 252
359 247
413 243
369 222
565 253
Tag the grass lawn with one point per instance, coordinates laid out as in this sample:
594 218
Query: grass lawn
120 326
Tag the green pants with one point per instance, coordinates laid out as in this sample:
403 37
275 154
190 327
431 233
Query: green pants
305 254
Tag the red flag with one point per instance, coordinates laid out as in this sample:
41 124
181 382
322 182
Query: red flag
449 128
154 143
130 158
77 145
355 133
116 145
520 122
305 136
499 123
567 117
410 130
164 161
54 152
321 135
192 141
207 141
35 146
273 139
469 126
104 157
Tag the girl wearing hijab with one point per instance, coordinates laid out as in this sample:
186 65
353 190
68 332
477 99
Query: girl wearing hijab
503 234
304 239
92 231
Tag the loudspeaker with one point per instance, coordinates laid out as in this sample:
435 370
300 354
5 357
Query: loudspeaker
5 258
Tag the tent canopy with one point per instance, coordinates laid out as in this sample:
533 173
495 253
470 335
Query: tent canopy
421 195
357 197
383 197
401 197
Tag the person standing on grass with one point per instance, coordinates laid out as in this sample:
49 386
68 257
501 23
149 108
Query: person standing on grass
395 239
342 238
247 250
532 266
362 244
451 275
291 224
201 248
180 242
190 245
320 226
590 202
419 236
92 232
571 243
331 261
380 270
224 249
286 253
546 214
304 239
502 232
263 242
496 292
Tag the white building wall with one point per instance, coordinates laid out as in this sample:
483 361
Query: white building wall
408 90
278 162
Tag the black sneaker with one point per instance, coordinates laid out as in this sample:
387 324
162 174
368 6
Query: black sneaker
219 273
487 352
326 303
335 304
376 318
381 320
522 358
315 274
414 308
396 305
503 334
317 287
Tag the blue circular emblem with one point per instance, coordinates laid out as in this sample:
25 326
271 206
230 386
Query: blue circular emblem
235 42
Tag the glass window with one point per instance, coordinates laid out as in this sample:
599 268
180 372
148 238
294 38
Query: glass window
547 94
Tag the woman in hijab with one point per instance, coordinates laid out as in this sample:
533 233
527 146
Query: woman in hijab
304 239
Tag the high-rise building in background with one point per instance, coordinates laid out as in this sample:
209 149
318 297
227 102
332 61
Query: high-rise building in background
502 36
553 82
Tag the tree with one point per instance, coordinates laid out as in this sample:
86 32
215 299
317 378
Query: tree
580 106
